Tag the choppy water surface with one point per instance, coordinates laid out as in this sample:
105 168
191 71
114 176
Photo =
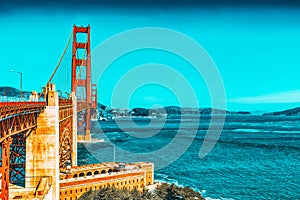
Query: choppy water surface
256 157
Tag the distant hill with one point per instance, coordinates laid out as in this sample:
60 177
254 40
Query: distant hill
7 91
290 112
175 110
140 112
170 110
208 111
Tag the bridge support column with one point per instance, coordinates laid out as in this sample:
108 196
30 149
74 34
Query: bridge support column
42 149
4 195
74 130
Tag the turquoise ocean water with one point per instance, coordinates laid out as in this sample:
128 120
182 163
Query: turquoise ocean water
256 157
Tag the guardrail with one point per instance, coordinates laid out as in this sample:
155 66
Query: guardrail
27 104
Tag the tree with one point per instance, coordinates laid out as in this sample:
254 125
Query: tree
163 192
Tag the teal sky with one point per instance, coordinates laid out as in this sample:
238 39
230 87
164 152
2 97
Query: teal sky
256 50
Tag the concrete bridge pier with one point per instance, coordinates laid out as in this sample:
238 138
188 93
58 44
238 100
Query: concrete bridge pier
42 146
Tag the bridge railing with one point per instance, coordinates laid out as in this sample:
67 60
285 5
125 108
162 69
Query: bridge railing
65 102
28 104
10 109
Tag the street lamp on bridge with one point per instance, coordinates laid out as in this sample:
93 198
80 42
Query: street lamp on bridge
20 73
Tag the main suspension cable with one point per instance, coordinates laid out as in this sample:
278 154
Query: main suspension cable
61 58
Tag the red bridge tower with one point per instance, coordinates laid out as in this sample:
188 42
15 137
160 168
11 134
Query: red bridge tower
81 81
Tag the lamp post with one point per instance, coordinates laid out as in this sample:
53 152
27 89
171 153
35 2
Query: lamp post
20 73
60 93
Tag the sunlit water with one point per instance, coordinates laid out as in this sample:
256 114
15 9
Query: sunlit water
256 157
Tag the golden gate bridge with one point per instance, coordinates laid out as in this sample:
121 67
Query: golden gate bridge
38 138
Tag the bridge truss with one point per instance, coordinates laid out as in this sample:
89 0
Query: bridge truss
17 121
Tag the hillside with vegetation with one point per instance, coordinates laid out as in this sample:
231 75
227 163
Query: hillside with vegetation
163 192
